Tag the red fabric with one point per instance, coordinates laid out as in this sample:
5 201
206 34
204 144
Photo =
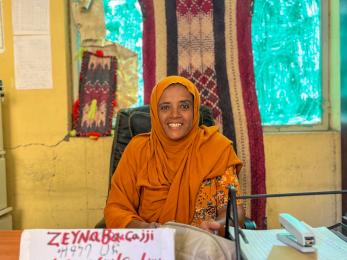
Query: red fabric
75 108
258 186
194 7
148 48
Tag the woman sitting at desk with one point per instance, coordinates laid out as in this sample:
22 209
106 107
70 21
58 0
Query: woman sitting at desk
179 171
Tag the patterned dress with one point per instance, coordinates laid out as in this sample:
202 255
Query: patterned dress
213 196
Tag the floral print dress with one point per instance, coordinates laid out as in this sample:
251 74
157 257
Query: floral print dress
213 196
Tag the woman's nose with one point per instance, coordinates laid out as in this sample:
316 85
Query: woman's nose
175 112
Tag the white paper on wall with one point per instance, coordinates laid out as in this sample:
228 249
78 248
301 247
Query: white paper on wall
30 17
33 62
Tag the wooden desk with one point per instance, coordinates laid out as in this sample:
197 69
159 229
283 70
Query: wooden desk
9 244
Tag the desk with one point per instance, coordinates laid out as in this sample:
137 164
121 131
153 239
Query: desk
9 244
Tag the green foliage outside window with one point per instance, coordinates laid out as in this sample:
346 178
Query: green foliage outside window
287 61
123 19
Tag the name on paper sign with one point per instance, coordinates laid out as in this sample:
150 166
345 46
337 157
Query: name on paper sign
101 244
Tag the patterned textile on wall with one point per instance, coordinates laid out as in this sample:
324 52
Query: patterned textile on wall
96 94
148 47
127 78
208 41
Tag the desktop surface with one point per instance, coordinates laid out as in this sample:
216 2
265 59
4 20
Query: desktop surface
9 244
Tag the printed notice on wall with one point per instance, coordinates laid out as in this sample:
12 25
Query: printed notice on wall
32 44
2 39
30 17
32 57
98 244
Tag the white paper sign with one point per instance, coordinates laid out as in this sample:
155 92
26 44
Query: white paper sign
30 17
33 62
101 244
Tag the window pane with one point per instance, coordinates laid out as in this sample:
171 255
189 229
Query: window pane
123 19
287 61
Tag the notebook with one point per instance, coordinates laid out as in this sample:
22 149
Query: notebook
261 242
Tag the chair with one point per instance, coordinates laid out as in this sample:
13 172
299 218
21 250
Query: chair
131 122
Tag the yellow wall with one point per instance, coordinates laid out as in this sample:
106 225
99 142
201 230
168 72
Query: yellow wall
49 186
300 162
65 186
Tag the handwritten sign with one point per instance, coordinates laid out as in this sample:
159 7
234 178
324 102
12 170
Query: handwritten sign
100 244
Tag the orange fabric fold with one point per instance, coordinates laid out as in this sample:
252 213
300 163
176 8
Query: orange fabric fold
158 179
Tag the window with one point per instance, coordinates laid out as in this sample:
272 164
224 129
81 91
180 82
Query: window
123 21
286 39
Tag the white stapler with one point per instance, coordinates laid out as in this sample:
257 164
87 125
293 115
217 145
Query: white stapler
299 235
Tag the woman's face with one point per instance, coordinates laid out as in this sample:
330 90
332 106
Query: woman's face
176 111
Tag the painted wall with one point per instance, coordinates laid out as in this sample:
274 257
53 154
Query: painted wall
53 184
49 184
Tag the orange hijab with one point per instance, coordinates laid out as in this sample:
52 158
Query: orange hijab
173 171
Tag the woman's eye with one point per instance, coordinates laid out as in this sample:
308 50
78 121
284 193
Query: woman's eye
164 107
185 106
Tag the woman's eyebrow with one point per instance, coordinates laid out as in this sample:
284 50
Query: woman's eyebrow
186 101
164 103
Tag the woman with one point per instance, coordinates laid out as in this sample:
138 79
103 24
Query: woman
177 172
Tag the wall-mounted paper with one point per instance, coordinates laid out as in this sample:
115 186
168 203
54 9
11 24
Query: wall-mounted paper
33 66
2 39
30 17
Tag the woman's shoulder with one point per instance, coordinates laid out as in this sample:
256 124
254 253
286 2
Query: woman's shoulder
133 152
212 134
139 141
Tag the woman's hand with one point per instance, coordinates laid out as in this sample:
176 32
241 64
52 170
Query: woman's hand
211 226
218 226
142 224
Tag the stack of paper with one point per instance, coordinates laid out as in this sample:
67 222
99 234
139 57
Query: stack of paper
260 243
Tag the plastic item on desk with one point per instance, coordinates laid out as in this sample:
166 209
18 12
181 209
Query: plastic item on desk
299 236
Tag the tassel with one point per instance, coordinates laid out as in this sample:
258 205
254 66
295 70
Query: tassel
99 53
75 108
93 135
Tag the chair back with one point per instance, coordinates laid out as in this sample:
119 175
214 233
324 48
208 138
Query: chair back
133 121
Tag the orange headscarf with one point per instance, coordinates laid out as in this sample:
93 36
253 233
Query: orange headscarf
167 173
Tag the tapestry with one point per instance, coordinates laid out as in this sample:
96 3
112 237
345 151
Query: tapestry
127 78
208 41
96 94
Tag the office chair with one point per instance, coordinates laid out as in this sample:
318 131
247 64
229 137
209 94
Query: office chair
133 121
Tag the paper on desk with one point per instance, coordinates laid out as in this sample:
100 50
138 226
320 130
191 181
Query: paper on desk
289 253
101 244
328 245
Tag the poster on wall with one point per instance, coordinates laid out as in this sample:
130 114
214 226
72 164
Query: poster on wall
33 62
30 17
32 44
2 39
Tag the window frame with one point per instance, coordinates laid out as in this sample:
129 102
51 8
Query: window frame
325 13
